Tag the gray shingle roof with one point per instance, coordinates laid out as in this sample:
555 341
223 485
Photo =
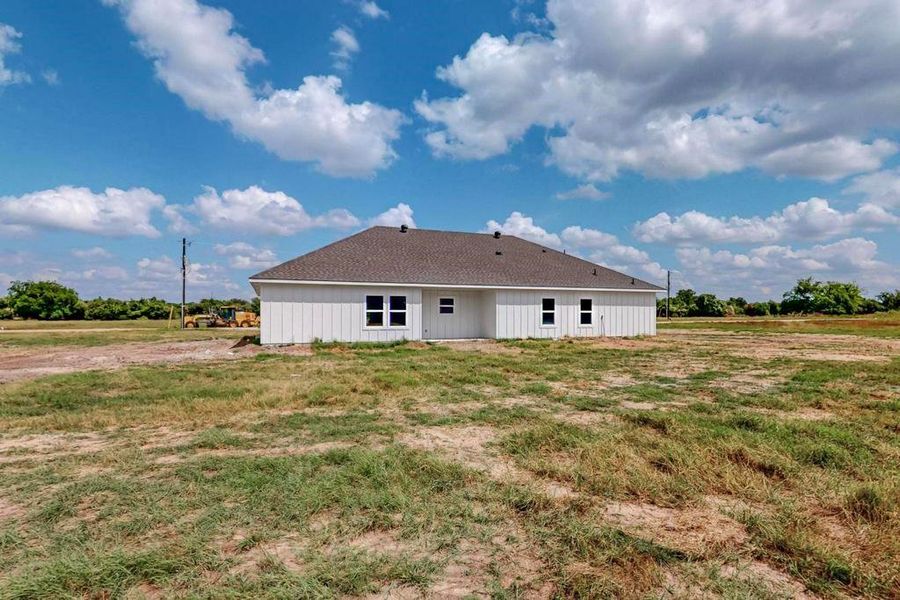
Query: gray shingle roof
422 256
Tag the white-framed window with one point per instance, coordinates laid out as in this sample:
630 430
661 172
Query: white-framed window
374 311
446 305
397 311
586 312
548 312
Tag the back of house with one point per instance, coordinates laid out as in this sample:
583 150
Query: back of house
386 283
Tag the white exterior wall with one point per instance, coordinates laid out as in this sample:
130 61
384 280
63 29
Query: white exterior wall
466 320
489 314
614 314
298 314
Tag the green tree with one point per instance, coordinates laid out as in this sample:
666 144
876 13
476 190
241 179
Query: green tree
836 298
890 300
830 298
46 300
6 311
800 298
738 305
105 309
682 303
707 305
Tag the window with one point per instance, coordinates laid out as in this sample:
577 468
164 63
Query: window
446 305
374 311
586 316
548 311
397 311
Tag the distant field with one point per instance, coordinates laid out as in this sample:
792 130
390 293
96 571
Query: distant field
14 325
879 325
692 464
102 333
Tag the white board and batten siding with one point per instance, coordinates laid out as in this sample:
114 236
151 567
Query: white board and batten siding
466 321
518 314
299 314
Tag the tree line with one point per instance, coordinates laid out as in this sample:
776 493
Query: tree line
806 297
51 301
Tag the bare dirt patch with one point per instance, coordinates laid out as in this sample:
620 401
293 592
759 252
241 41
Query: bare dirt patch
699 531
801 414
9 510
282 551
749 382
267 451
761 574
379 541
50 445
469 446
21 364
629 405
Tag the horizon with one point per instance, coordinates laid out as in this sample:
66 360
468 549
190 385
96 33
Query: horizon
742 150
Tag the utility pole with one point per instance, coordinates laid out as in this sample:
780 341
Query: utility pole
183 276
668 291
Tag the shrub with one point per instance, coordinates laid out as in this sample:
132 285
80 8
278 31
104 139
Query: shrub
890 300
760 309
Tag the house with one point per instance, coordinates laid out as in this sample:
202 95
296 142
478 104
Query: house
388 283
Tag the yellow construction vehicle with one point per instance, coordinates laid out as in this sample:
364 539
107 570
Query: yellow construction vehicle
224 316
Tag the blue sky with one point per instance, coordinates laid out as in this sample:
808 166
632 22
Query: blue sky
742 150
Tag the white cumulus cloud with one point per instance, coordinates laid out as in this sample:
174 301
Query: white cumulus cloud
682 89
259 211
777 267
600 247
881 188
112 212
524 227
242 255
402 214
197 55
811 219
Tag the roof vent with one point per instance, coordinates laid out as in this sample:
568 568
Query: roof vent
632 281
404 228
595 272
498 253
544 250
496 235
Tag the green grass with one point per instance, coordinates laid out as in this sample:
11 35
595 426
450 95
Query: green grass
884 325
359 469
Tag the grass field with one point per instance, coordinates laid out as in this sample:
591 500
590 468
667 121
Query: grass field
738 465
101 333
877 325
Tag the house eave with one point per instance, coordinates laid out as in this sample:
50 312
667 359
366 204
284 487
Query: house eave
255 282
